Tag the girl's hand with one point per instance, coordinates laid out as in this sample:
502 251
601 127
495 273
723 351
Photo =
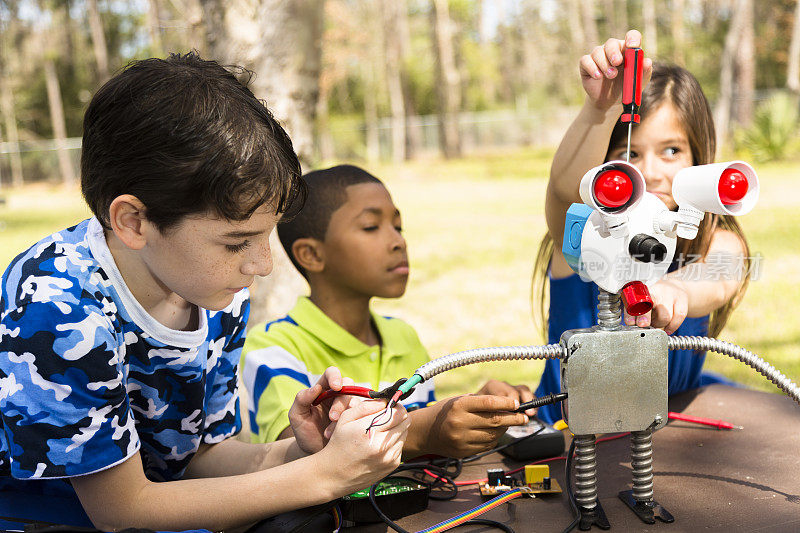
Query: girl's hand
355 459
601 70
309 422
670 307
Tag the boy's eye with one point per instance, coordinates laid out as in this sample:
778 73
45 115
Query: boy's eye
371 228
671 151
236 248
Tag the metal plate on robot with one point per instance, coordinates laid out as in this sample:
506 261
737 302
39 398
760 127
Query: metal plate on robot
616 380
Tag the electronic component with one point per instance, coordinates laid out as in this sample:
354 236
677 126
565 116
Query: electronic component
537 478
396 498
548 442
537 481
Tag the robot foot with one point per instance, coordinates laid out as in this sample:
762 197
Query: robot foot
593 517
647 511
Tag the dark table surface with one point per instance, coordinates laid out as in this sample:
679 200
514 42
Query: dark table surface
732 480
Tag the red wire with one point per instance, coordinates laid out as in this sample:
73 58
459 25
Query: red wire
352 390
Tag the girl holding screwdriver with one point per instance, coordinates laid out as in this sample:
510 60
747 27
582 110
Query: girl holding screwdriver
710 273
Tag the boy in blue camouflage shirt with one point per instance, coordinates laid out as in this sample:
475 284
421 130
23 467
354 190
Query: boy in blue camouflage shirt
120 336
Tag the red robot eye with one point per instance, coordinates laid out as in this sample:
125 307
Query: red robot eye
613 188
732 186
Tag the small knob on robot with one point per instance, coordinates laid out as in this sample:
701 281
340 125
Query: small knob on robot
646 249
636 298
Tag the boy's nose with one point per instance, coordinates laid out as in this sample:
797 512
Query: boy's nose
399 243
259 263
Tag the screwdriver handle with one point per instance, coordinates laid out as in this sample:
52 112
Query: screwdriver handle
632 85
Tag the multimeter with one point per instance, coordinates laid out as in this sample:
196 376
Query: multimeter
530 445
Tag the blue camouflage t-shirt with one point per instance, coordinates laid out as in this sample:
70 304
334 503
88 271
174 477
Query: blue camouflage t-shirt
87 377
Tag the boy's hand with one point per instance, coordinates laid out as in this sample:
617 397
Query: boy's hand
522 393
600 70
357 459
308 422
469 424
670 307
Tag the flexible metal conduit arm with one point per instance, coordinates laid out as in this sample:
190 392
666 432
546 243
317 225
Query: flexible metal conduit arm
741 354
481 355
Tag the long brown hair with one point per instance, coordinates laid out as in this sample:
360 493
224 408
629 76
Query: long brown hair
677 86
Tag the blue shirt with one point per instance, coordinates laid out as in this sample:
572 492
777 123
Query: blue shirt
573 305
88 378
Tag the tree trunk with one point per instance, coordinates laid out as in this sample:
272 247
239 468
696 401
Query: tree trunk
610 8
413 130
723 108
591 35
279 40
745 66
621 13
650 27
154 27
98 41
677 32
326 148
58 121
373 141
793 74
576 31
448 82
9 40
10 120
394 67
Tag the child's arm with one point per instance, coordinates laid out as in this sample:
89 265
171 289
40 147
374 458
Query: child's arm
698 288
314 426
586 141
122 496
461 426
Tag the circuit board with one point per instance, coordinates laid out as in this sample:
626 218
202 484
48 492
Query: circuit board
529 490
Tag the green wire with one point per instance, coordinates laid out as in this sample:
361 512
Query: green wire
412 382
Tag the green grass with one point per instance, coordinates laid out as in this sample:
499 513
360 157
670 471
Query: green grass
473 228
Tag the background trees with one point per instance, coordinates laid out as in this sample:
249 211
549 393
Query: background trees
390 79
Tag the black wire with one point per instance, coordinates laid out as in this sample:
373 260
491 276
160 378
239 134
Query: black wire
386 520
503 447
486 522
539 402
570 495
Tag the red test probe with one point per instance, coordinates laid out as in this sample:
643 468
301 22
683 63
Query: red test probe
719 424
389 393
631 91
346 390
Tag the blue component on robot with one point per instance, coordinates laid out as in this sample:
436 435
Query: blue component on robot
577 215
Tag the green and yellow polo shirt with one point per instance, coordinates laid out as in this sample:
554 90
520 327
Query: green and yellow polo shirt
288 355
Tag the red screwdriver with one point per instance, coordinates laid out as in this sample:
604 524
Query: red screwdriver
631 91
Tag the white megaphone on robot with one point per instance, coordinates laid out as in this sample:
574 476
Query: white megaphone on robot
721 188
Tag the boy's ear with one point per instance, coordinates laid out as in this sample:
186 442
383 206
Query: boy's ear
309 254
126 215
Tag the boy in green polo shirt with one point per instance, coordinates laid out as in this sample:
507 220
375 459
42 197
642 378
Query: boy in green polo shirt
347 242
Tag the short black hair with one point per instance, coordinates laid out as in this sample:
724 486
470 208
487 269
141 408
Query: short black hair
327 191
185 136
